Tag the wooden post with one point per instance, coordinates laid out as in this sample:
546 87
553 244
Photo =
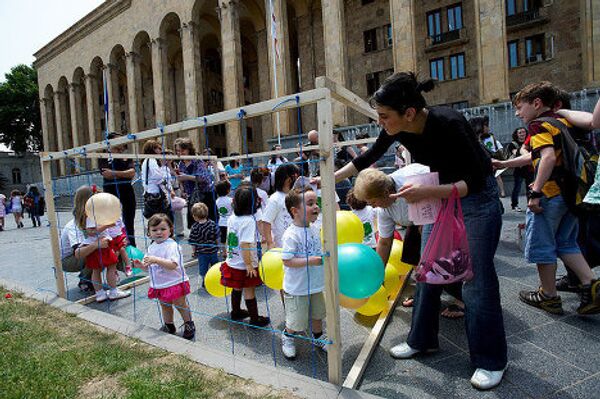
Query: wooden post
54 238
332 306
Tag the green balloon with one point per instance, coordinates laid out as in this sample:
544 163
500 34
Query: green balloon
134 253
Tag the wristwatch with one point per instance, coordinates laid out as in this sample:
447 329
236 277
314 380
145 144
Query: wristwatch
535 194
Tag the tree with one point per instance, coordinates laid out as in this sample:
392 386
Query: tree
20 127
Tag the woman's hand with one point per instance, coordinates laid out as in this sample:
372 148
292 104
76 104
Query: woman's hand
316 181
108 173
496 164
104 242
251 271
412 193
534 205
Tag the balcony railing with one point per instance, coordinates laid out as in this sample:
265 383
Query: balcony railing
444 37
524 17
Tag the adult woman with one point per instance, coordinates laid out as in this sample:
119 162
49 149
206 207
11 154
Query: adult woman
117 174
515 149
197 184
441 138
235 172
156 181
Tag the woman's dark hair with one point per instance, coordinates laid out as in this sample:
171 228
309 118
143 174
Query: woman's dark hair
34 190
402 91
234 162
515 134
282 173
477 123
150 146
222 188
245 201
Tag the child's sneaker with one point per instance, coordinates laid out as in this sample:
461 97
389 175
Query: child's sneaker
101 296
564 284
321 342
189 330
115 294
539 300
590 298
168 328
288 346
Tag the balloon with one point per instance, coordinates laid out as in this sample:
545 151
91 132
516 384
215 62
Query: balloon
270 269
349 228
212 282
178 203
136 271
376 303
351 303
396 256
134 253
391 281
103 208
361 270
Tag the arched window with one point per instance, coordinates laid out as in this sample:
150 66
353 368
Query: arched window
16 175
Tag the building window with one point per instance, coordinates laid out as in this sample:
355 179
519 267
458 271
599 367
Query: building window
370 39
534 48
513 54
455 17
372 83
16 176
436 68
388 38
434 23
457 66
511 7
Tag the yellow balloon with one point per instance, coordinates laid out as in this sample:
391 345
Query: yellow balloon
351 303
391 280
396 256
103 208
376 303
349 228
270 269
212 282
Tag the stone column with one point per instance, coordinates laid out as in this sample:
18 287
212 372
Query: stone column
590 42
279 60
264 83
157 49
45 124
192 75
74 100
91 96
113 99
134 91
58 109
334 37
233 87
492 58
403 33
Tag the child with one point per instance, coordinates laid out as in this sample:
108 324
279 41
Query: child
366 214
240 270
119 242
2 211
224 208
303 285
551 228
275 217
204 236
168 281
17 207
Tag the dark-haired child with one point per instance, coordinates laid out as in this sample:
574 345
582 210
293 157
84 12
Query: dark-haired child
366 214
240 270
168 281
224 208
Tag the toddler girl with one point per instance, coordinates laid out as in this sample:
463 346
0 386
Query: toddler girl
17 207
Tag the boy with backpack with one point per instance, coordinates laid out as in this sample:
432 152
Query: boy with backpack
551 227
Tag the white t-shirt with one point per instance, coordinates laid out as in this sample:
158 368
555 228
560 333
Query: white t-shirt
70 236
264 198
367 217
225 209
241 229
298 242
16 204
277 215
93 238
116 230
157 176
161 277
492 144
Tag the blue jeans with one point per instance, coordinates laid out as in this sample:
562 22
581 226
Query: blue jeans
481 295
205 261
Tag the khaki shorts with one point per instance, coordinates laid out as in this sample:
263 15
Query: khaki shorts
297 310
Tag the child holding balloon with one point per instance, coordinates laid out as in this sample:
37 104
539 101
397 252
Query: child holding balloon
303 278
168 281
240 270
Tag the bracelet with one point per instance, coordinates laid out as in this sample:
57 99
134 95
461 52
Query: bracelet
535 194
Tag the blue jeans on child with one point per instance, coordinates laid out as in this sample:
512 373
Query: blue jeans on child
551 233
205 261
481 295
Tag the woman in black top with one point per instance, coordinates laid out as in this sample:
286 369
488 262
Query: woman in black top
441 138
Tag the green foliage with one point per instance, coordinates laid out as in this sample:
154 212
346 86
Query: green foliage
20 126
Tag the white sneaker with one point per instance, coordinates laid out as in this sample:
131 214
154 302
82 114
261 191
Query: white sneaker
116 293
101 296
288 346
484 379
321 342
404 351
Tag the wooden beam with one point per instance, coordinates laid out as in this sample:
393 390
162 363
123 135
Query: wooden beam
346 97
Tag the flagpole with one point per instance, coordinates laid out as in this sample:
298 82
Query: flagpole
275 56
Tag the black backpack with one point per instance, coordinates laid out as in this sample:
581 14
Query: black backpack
579 169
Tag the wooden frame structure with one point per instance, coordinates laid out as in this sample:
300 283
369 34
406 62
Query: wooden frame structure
323 96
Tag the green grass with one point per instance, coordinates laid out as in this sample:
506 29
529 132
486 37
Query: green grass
45 353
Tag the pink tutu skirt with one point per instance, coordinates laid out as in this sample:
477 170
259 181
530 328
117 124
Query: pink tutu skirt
170 294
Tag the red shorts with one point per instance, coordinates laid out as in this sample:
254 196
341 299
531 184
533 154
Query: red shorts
101 258
170 294
118 242
235 278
